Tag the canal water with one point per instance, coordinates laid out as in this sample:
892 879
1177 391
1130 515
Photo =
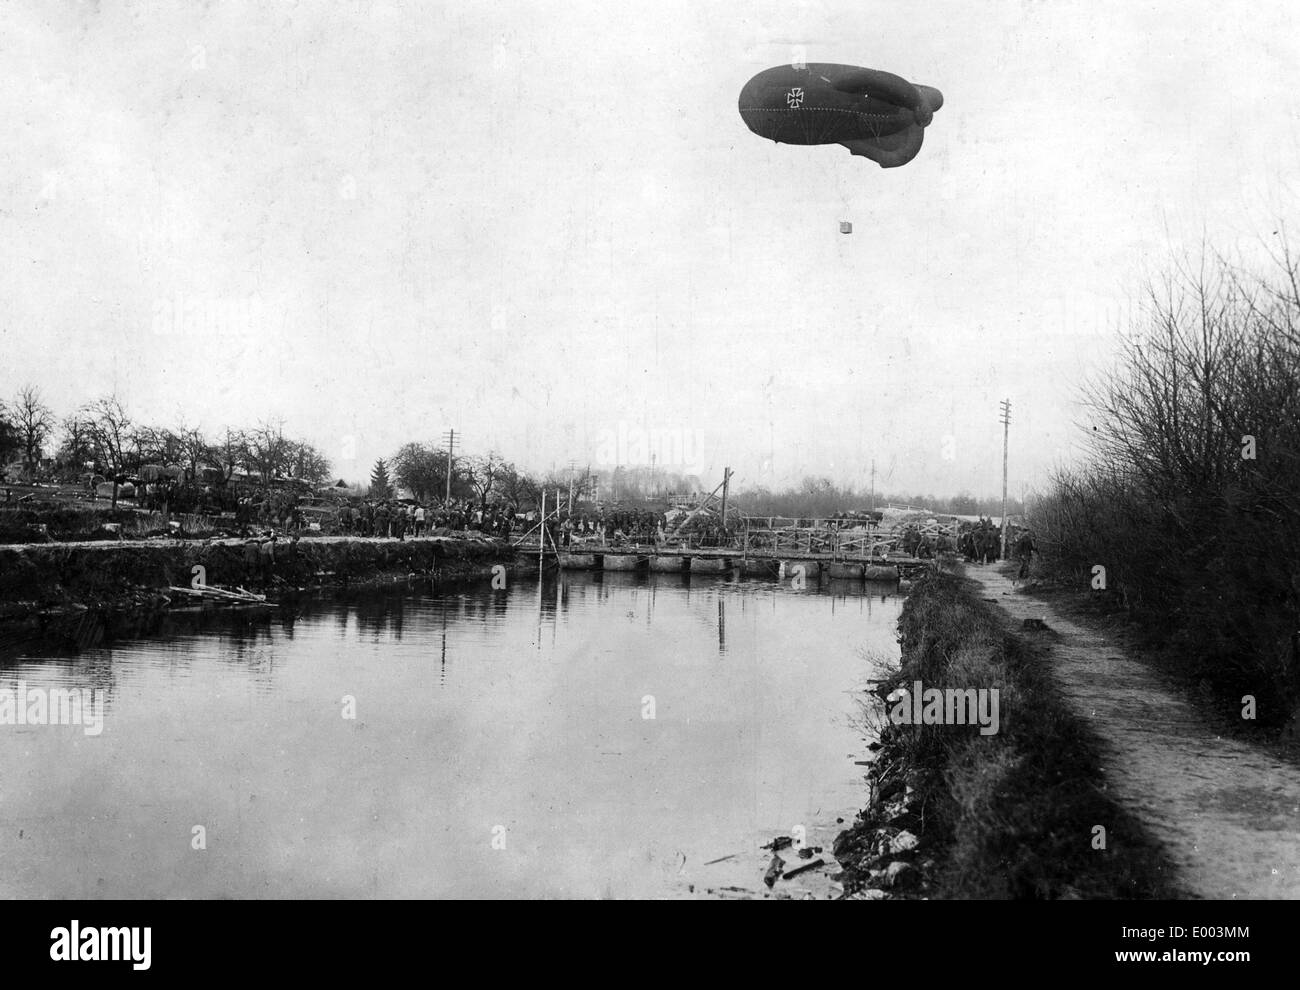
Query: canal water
583 736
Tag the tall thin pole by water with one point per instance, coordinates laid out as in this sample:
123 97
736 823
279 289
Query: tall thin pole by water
451 445
541 566
1006 428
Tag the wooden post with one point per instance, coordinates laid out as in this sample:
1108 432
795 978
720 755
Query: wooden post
726 477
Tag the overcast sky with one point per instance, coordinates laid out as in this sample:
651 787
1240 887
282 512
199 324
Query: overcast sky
545 224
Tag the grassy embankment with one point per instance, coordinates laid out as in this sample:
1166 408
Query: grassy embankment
1009 815
51 576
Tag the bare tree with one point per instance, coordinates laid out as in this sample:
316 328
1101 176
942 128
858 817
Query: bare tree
34 421
160 444
515 487
112 436
193 449
484 474
76 447
307 463
228 452
266 450
1187 498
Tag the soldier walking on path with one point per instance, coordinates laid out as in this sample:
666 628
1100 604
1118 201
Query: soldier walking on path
1025 549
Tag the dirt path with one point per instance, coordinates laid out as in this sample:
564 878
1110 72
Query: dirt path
1228 811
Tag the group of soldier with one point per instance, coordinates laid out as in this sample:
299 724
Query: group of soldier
924 546
980 542
614 527
275 509
382 518
266 558
386 518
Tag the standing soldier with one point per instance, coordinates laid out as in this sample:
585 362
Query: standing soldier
251 559
982 541
292 562
1025 549
268 559
911 540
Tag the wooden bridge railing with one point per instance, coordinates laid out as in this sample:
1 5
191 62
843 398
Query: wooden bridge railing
857 543
841 543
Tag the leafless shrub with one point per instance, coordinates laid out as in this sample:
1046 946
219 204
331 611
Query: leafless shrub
1190 495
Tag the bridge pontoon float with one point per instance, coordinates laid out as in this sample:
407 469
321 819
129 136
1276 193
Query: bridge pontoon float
673 564
710 565
811 568
622 561
844 569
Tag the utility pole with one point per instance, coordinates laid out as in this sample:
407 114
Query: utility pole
573 466
451 445
873 484
1006 429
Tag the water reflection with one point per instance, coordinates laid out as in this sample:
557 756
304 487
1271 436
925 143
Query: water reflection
534 720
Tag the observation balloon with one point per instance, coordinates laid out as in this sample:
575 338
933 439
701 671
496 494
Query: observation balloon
875 114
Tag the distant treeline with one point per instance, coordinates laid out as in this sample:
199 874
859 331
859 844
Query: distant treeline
820 497
103 437
1190 497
